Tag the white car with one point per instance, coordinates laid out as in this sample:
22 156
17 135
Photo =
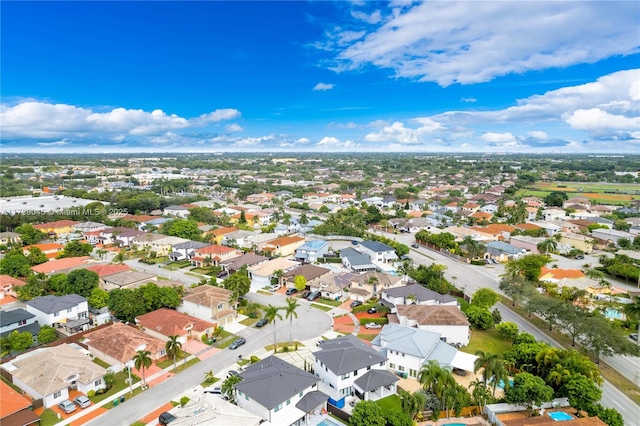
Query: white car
373 326
275 287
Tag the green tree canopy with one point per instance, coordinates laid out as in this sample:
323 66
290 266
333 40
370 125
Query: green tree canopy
15 264
29 234
300 282
528 390
81 282
367 413
47 334
75 249
36 256
484 298
528 266
183 228
98 298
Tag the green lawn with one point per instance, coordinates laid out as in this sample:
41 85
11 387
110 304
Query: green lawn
487 341
330 302
101 363
169 361
268 293
322 307
388 403
49 417
182 366
249 321
206 384
118 385
368 337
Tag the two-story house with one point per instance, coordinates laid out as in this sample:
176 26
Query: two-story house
311 273
120 236
262 273
71 310
49 373
279 392
447 320
165 322
371 284
8 238
284 246
157 243
346 366
408 349
127 279
185 250
176 211
58 229
210 304
18 320
311 251
414 294
212 255
378 252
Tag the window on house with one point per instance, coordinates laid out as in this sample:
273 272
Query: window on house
401 368
300 394
246 397
163 352
392 365
355 373
219 305
413 373
288 401
56 314
97 382
382 364
368 368
69 310
345 376
346 391
57 395
277 408
23 322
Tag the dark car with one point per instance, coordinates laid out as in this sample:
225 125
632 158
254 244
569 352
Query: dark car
313 296
166 418
354 242
372 310
415 245
633 336
237 343
262 322
291 291
306 294
232 373
355 303
580 257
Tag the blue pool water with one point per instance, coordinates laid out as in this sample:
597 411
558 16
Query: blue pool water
613 313
501 384
455 424
327 422
559 416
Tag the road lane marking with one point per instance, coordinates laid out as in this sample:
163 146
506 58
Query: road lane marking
615 402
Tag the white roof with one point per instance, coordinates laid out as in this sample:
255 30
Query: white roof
464 361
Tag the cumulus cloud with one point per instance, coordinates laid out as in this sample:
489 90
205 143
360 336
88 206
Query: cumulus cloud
331 143
497 138
323 87
370 18
303 141
397 132
451 42
253 141
46 120
597 119
58 143
234 127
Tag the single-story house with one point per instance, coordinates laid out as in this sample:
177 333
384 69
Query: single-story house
165 322
449 321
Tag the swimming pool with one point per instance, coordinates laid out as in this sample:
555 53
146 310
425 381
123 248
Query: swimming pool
327 422
501 383
613 313
559 416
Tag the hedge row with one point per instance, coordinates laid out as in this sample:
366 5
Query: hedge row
381 321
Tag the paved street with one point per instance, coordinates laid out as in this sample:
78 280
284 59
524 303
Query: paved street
311 323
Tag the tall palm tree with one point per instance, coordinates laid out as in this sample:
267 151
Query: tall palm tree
290 312
101 252
209 376
481 394
474 249
271 314
172 347
549 245
229 386
119 258
404 268
500 374
633 310
487 361
428 374
142 360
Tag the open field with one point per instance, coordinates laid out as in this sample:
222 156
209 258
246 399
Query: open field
604 193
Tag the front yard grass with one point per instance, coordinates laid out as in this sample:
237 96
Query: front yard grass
388 403
330 302
49 417
280 346
249 321
169 361
101 363
184 366
322 307
118 385
368 337
487 341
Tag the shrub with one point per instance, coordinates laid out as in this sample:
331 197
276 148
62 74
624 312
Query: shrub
508 330
285 349
204 339
382 321
524 338
184 400
254 359
91 393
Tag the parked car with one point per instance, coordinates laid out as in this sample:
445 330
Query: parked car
313 296
634 336
67 406
262 322
82 401
237 343
354 242
372 326
166 418
414 245
319 342
495 261
580 257
275 287
215 390
372 310
305 294
291 291
232 373
355 303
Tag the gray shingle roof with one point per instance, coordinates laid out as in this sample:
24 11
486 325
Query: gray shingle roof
375 379
272 381
422 293
49 304
376 246
443 353
408 340
190 245
11 317
311 401
346 354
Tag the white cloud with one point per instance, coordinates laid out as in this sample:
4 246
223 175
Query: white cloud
462 42
253 141
597 119
498 138
58 143
397 132
323 87
468 100
303 141
538 135
45 120
372 18
331 142
349 125
234 127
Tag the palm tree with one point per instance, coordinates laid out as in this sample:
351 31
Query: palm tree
404 268
172 347
411 403
558 375
411 298
500 374
290 312
546 359
428 374
474 248
633 310
101 252
547 246
487 361
142 361
209 376
229 386
481 394
271 314
119 258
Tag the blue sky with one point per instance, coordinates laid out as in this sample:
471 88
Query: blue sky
320 76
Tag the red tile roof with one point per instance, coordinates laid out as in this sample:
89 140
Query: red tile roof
57 224
11 401
6 279
59 264
561 273
105 269
169 322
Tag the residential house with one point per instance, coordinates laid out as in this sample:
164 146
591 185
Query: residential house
448 321
15 408
104 269
414 294
165 322
461 233
209 303
70 310
83 227
118 343
263 198
213 255
530 244
248 259
355 261
346 366
51 250
284 246
553 213
311 251
550 228
438 219
127 279
565 226
582 203
216 235
489 208
557 274
611 235
409 348
176 211
378 252
481 217
19 320
8 285
371 284
185 250
58 229
64 266
503 252
332 286
505 229
238 238
159 244
262 273
119 236
8 238
311 273
49 373
600 221
278 392
578 241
